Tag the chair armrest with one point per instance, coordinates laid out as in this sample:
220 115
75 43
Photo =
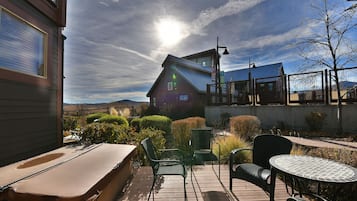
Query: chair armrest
236 151
233 153
169 162
172 152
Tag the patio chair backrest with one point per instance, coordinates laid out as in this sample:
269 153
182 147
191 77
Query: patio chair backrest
201 138
150 152
265 146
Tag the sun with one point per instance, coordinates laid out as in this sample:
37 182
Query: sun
170 31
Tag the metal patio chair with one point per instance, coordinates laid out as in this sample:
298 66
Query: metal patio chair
201 145
258 172
161 167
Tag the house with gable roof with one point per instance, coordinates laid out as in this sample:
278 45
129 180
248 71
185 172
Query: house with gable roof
268 82
181 90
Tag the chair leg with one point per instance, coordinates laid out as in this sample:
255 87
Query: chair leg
191 171
272 184
184 187
152 187
230 183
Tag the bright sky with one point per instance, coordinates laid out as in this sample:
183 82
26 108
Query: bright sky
114 48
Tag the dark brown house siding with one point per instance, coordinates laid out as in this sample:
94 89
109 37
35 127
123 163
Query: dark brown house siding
31 106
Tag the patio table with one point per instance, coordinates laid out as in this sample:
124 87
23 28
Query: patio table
315 169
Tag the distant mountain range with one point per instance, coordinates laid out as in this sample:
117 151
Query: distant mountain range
89 108
345 85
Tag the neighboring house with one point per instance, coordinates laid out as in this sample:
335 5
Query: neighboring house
269 84
31 77
180 89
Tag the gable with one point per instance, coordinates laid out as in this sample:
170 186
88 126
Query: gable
206 58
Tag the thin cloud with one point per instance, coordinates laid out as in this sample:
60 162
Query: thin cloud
104 4
208 16
101 44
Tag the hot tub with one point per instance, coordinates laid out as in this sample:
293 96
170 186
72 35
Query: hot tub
73 172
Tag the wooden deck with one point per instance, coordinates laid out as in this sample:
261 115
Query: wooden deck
204 186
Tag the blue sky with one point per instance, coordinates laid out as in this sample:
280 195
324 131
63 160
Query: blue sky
114 48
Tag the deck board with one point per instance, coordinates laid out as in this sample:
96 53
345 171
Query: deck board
204 186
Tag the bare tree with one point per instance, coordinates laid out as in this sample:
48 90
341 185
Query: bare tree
331 46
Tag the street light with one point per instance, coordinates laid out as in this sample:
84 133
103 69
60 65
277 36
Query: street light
218 71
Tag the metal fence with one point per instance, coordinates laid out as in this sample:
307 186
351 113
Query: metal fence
318 87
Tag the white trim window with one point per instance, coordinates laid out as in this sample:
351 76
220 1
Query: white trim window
183 97
170 86
23 46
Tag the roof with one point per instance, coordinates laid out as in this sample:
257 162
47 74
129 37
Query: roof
209 52
197 79
265 71
170 59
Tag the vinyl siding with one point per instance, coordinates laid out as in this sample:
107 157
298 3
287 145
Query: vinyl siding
29 112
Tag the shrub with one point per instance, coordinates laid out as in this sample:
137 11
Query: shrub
69 123
156 121
157 137
197 122
315 120
114 119
113 111
135 124
105 132
227 144
90 118
125 112
245 126
181 130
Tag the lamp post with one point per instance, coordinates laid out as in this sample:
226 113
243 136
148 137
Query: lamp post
218 71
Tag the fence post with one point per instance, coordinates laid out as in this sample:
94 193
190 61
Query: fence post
208 97
326 89
285 90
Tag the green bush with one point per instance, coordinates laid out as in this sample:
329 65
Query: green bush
156 136
181 130
315 120
114 119
70 123
135 124
226 144
157 122
105 133
91 117
245 126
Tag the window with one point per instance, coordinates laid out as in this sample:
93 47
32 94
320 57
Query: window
170 86
154 101
183 97
22 45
